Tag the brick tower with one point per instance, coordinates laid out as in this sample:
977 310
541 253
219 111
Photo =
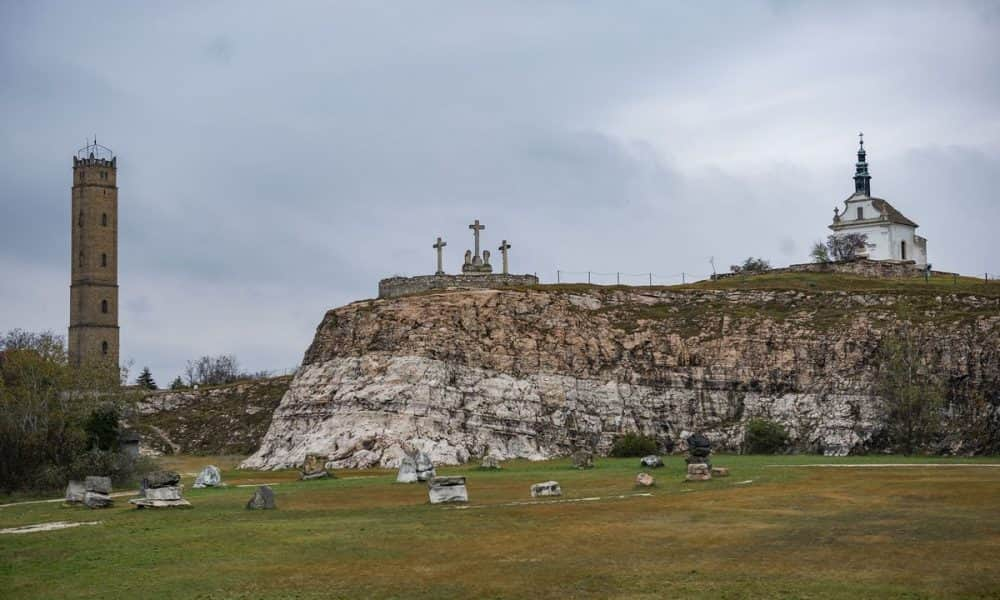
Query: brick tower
93 296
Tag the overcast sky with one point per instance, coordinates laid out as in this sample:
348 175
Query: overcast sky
278 159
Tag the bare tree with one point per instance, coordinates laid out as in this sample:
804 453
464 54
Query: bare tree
846 247
212 370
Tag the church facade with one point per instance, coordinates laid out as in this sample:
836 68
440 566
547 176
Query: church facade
889 234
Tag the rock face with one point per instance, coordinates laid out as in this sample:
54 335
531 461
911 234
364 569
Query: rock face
538 373
447 489
210 476
546 488
262 499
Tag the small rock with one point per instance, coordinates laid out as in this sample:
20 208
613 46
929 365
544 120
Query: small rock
644 480
75 492
313 467
210 476
153 503
157 479
652 461
583 459
720 472
698 472
97 500
490 462
407 470
263 499
546 488
100 485
448 489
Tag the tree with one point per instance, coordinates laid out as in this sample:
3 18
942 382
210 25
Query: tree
177 383
212 370
820 253
847 246
145 380
912 395
102 427
752 265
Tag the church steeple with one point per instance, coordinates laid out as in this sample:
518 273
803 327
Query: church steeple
862 180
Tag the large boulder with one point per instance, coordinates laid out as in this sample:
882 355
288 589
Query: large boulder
425 467
97 500
75 492
170 492
157 479
698 472
546 488
448 489
100 485
210 476
262 499
651 462
407 470
313 467
583 459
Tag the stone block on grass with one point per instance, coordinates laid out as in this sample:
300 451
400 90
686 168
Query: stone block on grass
546 488
262 499
448 489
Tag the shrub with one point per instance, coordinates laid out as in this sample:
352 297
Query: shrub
764 437
102 428
634 444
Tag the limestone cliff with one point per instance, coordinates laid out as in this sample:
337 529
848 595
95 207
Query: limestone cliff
538 372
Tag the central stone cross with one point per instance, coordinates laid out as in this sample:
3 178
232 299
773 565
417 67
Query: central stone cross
476 228
439 246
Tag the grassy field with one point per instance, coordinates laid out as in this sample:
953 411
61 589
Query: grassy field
766 531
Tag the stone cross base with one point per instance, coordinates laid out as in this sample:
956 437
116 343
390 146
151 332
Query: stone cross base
395 287
477 269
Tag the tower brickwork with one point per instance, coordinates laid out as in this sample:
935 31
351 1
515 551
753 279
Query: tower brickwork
93 312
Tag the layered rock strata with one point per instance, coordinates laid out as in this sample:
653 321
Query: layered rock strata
543 372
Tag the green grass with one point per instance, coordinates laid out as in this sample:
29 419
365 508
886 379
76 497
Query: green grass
793 532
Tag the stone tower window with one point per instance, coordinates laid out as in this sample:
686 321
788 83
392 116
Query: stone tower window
79 219
104 347
104 260
80 259
104 219
104 306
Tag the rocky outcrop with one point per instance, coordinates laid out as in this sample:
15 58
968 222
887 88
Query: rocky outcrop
542 372
225 419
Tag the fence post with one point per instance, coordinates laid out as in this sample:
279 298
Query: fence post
588 277
557 276
650 280
618 278
683 279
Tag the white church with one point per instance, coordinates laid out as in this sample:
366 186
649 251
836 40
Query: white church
890 235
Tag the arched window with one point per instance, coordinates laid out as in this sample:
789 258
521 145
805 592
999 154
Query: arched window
104 306
104 219
104 347
79 219
104 260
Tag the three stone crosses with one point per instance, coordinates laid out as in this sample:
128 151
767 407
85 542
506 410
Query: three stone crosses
475 262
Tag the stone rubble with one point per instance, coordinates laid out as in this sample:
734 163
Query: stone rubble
698 472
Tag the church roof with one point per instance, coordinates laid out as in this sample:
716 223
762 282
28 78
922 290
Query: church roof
891 213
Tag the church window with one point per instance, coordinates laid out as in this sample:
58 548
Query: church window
104 219
104 347
861 213
902 249
104 260
104 306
